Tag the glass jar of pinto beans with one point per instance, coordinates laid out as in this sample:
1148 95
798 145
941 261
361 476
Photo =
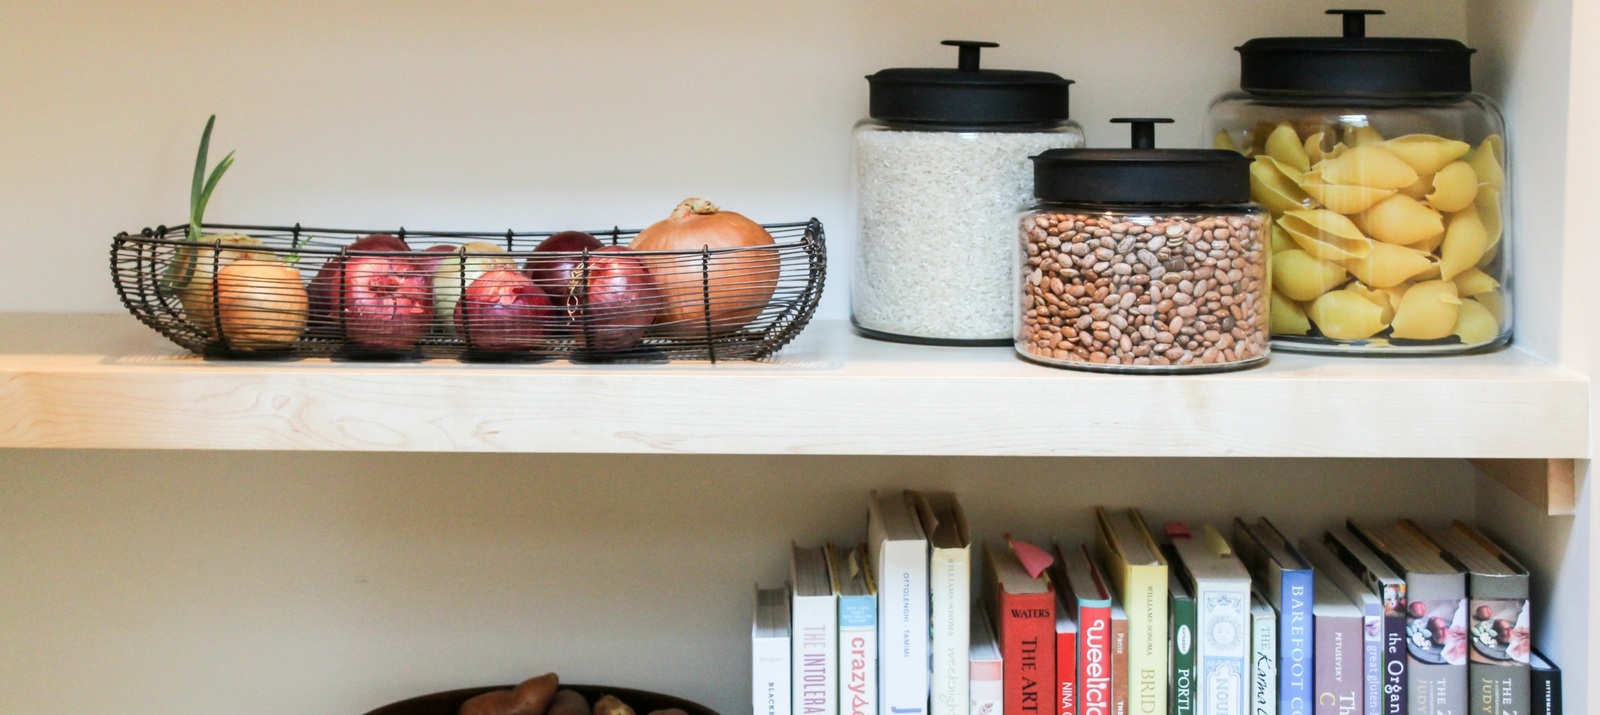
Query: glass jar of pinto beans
1143 260
1386 179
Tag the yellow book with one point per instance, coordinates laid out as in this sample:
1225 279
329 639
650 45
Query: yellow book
1139 574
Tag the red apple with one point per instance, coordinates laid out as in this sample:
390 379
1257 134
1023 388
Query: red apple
503 310
1418 609
552 273
324 291
387 302
612 301
1483 613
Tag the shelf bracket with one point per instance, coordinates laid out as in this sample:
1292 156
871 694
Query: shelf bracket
1549 484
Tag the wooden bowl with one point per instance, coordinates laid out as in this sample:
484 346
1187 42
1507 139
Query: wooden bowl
449 702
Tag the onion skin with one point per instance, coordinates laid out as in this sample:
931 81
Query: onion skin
503 310
197 261
741 284
388 302
612 303
451 273
261 304
324 292
553 272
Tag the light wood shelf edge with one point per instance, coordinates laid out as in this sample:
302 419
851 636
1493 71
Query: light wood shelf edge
1549 484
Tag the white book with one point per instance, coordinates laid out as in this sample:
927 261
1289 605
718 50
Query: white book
985 666
858 631
815 637
950 598
1263 656
899 552
769 653
1326 562
1221 587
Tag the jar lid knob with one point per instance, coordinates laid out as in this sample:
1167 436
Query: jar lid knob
1355 21
1144 129
967 61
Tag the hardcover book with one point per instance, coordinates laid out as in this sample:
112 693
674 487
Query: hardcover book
986 667
1285 579
899 551
1263 656
858 631
1181 646
1338 640
1342 578
1139 575
1083 588
1221 586
1023 607
1119 659
1436 624
815 643
769 653
1546 685
1378 578
950 597
1499 634
1066 690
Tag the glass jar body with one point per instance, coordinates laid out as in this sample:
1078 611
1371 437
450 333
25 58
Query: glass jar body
936 219
1390 219
1143 289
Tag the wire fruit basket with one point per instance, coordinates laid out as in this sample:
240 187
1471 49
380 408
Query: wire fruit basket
261 292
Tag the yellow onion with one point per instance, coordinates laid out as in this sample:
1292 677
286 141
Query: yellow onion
739 284
261 304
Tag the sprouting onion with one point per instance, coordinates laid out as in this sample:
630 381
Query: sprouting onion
181 271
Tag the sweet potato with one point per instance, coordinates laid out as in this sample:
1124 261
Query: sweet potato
568 702
531 697
610 705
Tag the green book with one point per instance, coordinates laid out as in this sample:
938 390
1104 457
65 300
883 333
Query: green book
1183 620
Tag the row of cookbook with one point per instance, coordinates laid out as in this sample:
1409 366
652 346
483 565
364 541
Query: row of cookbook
1362 619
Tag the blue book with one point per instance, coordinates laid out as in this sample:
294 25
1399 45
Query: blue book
858 631
1285 579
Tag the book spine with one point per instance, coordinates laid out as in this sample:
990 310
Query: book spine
1546 691
1338 665
815 666
1263 664
1183 624
1296 653
950 587
1094 661
1145 600
1499 688
1498 682
1222 653
987 688
1066 673
1027 631
769 676
858 655
1119 666
1435 688
1372 660
1395 661
903 628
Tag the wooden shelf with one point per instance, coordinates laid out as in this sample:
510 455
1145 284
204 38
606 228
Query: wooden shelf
105 381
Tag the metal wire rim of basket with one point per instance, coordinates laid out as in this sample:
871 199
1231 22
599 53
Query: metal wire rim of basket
732 304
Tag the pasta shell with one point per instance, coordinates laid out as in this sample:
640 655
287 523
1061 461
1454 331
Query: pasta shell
1362 136
1326 235
1403 220
1344 199
1488 206
1284 145
1421 189
1455 187
1476 325
1474 281
1495 303
1371 166
1389 265
1464 244
1379 298
1313 146
1272 188
1488 161
1429 245
1346 315
1426 153
1427 312
1301 276
1280 239
1224 140
1287 317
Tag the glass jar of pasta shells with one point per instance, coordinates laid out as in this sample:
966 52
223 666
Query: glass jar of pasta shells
1142 260
1385 176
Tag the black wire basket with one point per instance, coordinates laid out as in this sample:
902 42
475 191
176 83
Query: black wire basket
262 292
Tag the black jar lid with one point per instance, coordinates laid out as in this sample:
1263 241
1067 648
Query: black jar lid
1143 174
966 95
1355 65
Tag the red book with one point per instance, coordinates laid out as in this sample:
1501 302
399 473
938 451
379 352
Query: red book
1024 610
1066 660
1084 591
